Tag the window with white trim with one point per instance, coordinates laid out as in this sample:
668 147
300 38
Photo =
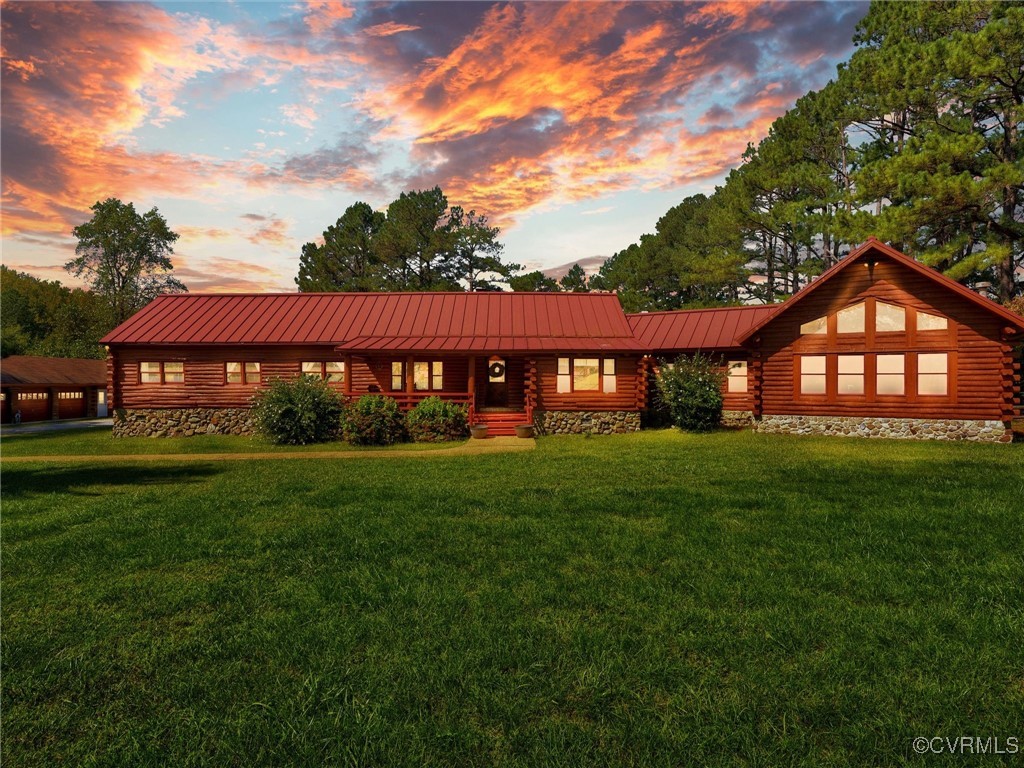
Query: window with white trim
608 375
737 376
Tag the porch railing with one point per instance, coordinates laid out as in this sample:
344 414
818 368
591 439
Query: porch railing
409 400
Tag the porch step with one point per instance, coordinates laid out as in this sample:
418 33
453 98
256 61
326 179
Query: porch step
501 423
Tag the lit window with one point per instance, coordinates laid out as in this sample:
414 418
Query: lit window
334 370
421 376
889 379
313 369
926 322
564 383
851 375
889 318
70 395
851 319
437 375
933 374
397 376
737 376
812 375
815 326
149 373
174 373
608 375
586 374
242 373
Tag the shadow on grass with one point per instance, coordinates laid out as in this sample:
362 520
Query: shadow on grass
24 481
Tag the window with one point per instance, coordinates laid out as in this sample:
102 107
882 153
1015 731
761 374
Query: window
851 375
737 376
889 379
851 319
889 318
70 395
608 377
33 395
586 374
564 380
812 375
815 326
331 370
242 373
927 322
397 376
161 373
428 375
933 374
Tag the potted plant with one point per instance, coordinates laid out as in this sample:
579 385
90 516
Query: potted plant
524 430
478 431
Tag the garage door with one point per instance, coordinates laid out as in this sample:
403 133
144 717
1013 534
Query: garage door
34 406
71 404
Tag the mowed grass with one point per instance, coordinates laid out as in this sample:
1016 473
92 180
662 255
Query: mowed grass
653 599
98 441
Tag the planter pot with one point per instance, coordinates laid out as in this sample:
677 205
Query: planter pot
524 430
478 431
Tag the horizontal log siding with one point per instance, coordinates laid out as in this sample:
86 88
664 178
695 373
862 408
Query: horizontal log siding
623 399
977 388
204 385
731 401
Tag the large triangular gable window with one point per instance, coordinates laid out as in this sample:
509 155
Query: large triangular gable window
851 319
815 326
927 322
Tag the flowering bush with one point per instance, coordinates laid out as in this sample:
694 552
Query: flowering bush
297 412
690 389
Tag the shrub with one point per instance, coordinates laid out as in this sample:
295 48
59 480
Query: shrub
373 420
298 411
691 390
435 420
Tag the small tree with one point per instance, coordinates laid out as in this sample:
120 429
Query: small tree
691 390
373 420
297 412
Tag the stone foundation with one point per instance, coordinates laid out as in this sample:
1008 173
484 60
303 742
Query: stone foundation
586 422
181 422
737 419
906 429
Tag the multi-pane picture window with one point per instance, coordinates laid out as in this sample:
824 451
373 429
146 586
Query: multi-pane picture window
161 373
242 373
330 370
850 375
428 375
737 376
889 374
933 373
812 375
585 374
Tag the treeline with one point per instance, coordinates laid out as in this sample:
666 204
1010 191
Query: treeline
418 244
917 141
42 317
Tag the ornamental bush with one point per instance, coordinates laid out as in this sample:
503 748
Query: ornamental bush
435 420
373 420
690 389
298 411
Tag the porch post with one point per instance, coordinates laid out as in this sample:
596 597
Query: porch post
471 385
409 376
348 375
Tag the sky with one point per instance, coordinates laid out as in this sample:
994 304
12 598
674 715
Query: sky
252 126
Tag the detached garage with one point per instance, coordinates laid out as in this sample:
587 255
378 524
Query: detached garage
44 388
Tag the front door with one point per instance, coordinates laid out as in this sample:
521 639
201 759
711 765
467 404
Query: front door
497 384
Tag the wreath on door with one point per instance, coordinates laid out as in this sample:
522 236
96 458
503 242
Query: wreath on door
496 370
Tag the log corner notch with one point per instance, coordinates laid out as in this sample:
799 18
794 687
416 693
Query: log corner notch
642 382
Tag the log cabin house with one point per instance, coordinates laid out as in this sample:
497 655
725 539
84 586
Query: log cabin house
880 345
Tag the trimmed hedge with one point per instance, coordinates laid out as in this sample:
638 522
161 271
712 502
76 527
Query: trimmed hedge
298 411
690 389
435 420
373 420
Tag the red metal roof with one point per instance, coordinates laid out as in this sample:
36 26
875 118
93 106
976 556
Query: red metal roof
873 244
690 329
28 370
462 322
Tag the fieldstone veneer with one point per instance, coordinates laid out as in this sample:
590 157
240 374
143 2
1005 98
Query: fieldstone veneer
181 422
581 422
908 429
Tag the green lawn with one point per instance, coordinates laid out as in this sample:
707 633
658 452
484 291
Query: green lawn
653 599
98 441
